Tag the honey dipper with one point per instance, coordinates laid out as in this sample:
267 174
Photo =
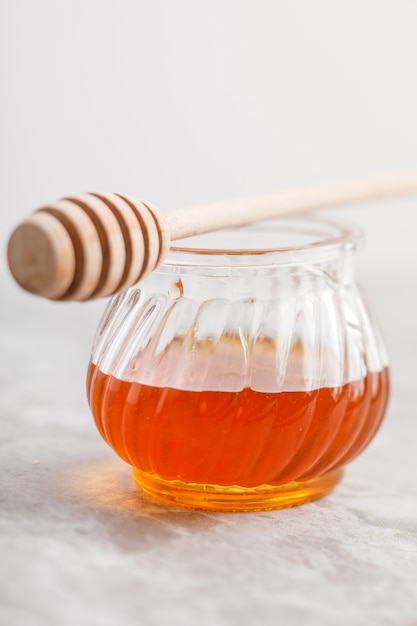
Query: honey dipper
97 244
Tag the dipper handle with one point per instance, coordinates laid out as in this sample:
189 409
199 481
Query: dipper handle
97 244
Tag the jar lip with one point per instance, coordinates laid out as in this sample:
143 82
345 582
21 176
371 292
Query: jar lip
313 237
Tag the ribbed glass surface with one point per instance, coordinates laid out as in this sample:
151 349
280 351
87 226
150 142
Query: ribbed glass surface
248 368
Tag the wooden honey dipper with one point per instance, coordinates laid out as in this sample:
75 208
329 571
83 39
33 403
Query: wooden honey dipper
98 244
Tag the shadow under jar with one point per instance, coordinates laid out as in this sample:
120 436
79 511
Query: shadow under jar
245 372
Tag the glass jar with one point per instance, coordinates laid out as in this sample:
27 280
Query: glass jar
244 372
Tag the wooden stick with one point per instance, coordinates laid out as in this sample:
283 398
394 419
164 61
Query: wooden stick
98 244
240 211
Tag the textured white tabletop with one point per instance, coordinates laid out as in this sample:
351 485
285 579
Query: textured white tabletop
81 545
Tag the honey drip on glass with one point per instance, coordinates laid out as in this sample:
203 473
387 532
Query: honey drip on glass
245 438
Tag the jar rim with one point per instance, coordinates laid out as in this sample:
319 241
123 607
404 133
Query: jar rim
304 239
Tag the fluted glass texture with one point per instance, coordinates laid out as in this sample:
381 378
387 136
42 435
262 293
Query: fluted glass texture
250 364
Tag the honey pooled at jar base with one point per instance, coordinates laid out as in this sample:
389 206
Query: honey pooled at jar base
260 450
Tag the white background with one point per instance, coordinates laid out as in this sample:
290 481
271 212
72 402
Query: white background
183 102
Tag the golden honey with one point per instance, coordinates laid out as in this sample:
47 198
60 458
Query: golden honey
193 444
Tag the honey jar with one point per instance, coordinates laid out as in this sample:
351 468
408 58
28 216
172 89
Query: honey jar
246 371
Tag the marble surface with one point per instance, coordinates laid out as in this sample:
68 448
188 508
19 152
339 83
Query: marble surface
80 545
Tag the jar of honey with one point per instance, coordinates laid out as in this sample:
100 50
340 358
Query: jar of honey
246 371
